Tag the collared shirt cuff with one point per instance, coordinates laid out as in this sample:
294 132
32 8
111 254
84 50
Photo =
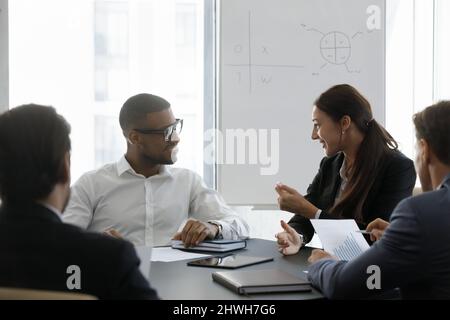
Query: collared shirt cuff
219 235
317 216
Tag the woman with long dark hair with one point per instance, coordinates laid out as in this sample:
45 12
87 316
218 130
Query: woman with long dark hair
362 177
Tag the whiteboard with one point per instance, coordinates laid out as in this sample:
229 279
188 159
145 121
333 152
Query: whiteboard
275 58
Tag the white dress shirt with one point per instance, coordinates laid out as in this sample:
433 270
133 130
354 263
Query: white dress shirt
147 211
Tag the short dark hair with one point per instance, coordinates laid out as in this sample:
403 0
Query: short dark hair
135 109
33 142
432 124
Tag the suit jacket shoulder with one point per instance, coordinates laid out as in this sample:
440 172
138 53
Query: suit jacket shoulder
37 249
412 254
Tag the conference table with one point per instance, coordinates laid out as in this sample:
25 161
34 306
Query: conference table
178 281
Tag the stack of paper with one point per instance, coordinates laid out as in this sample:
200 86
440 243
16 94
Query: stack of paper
340 237
167 254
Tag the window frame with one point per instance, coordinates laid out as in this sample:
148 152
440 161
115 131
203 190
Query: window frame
210 84
4 56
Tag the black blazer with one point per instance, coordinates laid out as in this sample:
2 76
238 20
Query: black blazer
36 248
394 182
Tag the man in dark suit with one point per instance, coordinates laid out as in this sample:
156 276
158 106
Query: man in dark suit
37 250
412 252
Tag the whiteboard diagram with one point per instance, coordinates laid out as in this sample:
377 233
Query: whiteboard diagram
335 47
275 58
250 65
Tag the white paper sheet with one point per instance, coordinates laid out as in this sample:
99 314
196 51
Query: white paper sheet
315 242
339 237
144 253
167 254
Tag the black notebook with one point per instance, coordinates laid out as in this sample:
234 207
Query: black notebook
212 245
261 281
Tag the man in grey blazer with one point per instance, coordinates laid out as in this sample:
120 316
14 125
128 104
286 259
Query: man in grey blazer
412 252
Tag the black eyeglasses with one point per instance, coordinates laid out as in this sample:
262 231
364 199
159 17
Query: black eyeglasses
167 132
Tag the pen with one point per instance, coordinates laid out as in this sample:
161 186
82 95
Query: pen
363 231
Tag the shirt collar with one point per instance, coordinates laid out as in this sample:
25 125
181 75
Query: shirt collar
444 182
342 171
124 166
52 209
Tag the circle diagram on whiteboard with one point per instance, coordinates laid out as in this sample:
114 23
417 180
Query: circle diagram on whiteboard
335 47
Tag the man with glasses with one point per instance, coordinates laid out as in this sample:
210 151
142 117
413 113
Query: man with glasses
143 199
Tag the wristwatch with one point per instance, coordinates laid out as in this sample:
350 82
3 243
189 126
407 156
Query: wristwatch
219 230
302 239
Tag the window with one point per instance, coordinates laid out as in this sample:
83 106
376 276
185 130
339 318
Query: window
417 67
108 140
87 57
111 50
442 50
